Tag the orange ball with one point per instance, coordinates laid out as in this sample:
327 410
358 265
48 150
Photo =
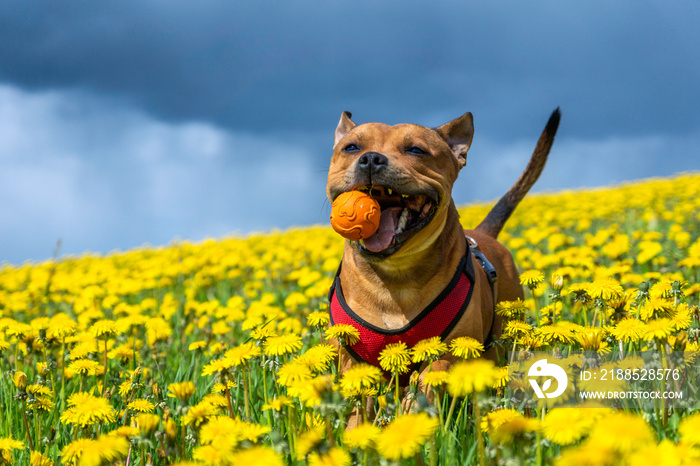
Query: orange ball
355 215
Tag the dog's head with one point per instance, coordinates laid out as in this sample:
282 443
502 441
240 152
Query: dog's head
409 169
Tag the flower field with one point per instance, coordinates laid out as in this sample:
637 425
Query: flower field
217 353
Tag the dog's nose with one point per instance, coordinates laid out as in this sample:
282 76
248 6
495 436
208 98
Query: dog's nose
372 161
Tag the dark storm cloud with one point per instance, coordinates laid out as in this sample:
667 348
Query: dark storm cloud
124 122
615 68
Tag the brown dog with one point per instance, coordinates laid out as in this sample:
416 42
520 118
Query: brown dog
394 283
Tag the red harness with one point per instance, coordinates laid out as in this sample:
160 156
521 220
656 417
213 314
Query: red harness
438 319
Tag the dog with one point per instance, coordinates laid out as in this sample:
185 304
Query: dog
421 274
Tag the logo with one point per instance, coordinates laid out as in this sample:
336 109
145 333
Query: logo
543 369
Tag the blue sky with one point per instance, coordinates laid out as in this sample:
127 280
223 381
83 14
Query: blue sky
132 122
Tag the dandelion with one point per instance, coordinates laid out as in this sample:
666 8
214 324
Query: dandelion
658 329
553 334
515 328
565 426
605 289
318 319
38 459
260 456
428 349
507 432
182 390
435 378
628 330
262 333
335 457
360 376
147 423
7 444
242 353
395 358
405 436
87 410
200 413
689 430
531 278
104 328
197 345
622 432
466 347
282 344
141 406
292 372
591 339
344 333
361 437
277 404
495 418
468 377
71 453
309 441
511 309
318 357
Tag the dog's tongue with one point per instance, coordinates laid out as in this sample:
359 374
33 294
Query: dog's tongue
382 238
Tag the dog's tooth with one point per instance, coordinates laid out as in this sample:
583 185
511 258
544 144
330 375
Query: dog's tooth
405 196
389 191
402 221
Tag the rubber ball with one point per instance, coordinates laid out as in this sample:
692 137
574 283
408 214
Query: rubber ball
355 215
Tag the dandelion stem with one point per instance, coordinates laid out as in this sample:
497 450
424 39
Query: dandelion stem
227 391
104 381
26 424
449 414
479 435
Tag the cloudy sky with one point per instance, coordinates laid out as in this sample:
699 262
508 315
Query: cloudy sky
131 122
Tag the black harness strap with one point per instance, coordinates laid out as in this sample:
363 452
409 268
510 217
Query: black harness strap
492 276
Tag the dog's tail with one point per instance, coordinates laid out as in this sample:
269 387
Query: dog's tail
496 218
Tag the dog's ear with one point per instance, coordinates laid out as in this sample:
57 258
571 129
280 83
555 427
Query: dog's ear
458 134
344 125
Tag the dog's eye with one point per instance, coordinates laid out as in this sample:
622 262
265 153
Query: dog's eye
351 148
415 150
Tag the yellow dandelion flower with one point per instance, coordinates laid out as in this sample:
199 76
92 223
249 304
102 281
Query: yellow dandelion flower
511 309
104 328
622 432
531 278
395 358
197 345
181 390
358 377
466 347
435 378
7 444
502 377
362 436
262 332
495 418
221 388
126 431
344 333
318 319
471 376
38 459
430 348
318 358
259 456
654 308
628 330
200 413
515 328
293 372
87 410
147 423
277 404
509 430
591 339
242 353
689 429
556 333
565 426
405 436
282 344
658 329
217 365
211 455
71 453
605 289
682 317
84 366
141 406
309 441
336 456
311 391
